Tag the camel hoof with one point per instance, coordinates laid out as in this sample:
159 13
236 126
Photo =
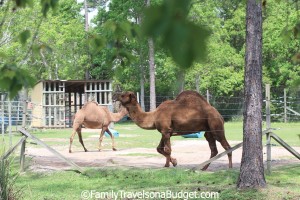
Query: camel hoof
85 150
114 149
70 151
167 165
174 162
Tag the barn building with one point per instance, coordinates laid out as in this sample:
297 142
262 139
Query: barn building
54 102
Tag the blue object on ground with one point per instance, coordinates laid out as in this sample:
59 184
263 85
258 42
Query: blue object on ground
114 132
194 135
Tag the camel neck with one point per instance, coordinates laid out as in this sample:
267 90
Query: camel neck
115 117
145 120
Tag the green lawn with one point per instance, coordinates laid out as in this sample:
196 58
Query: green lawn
283 183
133 136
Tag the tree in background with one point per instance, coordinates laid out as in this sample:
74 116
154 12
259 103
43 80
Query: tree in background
56 48
151 70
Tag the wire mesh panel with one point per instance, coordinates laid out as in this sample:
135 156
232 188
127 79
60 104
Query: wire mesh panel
54 104
100 92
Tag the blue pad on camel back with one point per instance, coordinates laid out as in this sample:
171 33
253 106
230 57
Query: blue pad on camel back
114 132
194 135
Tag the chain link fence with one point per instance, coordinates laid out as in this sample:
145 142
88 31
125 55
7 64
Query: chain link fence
285 107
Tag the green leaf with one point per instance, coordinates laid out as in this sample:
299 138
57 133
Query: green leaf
3 55
13 79
185 40
96 43
296 30
24 36
46 48
47 4
23 3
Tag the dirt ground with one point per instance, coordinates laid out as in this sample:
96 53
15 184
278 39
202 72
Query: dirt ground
189 154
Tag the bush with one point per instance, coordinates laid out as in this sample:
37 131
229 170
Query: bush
7 180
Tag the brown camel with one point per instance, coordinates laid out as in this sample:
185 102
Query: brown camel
188 113
93 116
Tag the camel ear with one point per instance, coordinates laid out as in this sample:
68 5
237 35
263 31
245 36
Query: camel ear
132 97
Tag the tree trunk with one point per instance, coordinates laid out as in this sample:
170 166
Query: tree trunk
46 64
181 80
142 84
152 75
252 169
142 73
151 71
86 16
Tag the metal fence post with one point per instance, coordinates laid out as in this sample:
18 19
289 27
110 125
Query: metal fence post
24 115
268 126
284 97
9 123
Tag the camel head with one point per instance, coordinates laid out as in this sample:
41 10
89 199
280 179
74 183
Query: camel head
127 98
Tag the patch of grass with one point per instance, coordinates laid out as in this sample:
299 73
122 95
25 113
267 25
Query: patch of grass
283 183
131 136
8 190
288 132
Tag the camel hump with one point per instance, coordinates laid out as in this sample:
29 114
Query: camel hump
89 103
189 96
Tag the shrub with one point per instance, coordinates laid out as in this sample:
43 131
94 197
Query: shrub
7 180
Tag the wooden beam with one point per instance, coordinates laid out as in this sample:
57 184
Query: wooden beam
24 132
228 151
285 145
12 149
220 155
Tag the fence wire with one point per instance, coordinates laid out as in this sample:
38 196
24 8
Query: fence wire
284 108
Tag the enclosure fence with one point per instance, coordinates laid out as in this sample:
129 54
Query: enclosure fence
284 107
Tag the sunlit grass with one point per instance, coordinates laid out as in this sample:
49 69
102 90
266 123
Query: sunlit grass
283 183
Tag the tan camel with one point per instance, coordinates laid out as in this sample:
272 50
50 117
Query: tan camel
188 113
93 116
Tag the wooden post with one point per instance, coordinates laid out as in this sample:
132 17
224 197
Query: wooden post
38 141
285 145
284 99
268 126
12 149
24 118
22 156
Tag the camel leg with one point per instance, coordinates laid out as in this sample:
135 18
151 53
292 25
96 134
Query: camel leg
71 139
112 139
167 150
212 145
221 138
164 148
80 139
101 138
